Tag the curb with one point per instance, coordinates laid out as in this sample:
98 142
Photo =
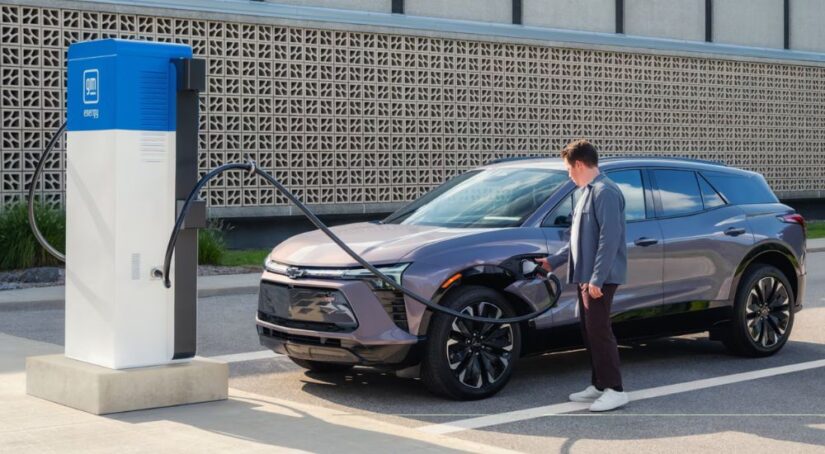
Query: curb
54 297
240 290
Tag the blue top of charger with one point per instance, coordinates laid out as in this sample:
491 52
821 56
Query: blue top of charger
123 84
124 47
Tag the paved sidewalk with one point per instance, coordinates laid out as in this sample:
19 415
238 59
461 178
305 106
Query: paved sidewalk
227 284
246 422
817 245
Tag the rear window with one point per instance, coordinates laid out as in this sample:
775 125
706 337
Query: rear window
741 189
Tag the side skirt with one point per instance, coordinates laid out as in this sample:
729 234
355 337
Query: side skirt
673 320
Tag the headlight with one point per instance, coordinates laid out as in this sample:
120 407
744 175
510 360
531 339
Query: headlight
392 271
274 267
294 272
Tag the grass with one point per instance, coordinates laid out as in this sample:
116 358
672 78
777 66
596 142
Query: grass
19 247
212 242
245 257
816 229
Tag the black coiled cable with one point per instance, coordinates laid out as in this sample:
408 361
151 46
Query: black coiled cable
32 221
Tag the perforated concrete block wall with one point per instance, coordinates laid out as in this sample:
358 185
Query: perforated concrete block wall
351 119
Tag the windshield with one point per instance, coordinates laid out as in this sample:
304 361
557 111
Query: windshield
483 198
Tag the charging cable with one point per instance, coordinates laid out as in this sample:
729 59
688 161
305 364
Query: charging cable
554 290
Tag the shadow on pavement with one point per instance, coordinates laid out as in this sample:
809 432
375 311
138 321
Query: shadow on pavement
281 426
548 379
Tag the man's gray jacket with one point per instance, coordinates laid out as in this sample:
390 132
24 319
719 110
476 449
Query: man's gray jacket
602 252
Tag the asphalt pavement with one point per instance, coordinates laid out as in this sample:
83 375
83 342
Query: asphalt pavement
691 396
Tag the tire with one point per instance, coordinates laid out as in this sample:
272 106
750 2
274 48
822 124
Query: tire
321 367
468 360
762 313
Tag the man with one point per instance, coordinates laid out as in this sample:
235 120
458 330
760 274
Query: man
596 259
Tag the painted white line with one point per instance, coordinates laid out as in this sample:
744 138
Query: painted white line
567 407
248 356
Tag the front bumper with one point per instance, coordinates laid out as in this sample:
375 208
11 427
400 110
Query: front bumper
324 332
339 351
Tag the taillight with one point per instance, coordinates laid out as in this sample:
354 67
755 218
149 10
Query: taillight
794 218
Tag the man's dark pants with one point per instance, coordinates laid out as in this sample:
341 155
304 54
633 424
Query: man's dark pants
597 333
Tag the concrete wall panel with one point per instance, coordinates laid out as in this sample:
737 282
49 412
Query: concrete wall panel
758 23
808 25
587 15
378 6
676 19
476 10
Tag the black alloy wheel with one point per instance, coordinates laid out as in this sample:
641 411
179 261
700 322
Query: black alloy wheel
763 312
479 353
466 360
768 311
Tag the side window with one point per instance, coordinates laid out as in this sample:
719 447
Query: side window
741 189
709 195
630 183
679 192
562 215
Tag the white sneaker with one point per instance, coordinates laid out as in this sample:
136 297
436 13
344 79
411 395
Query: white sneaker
610 400
589 394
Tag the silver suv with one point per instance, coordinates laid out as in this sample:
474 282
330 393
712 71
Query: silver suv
710 248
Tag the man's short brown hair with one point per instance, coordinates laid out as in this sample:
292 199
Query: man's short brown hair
580 150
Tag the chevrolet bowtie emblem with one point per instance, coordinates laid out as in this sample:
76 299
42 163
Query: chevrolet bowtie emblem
294 272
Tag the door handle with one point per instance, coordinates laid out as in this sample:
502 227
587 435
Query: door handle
644 242
734 231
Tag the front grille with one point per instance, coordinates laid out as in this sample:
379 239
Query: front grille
317 309
298 324
393 302
306 340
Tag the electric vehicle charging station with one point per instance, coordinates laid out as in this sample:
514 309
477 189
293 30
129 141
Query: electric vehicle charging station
131 143
131 147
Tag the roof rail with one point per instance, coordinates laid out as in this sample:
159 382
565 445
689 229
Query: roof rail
514 158
613 158
670 158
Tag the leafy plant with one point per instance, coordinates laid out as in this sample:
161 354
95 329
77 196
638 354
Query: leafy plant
18 246
212 242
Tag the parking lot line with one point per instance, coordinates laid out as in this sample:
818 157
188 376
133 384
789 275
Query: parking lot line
649 393
247 356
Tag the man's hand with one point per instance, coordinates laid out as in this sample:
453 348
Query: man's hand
595 292
544 264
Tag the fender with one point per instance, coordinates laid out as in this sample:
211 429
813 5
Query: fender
766 247
531 291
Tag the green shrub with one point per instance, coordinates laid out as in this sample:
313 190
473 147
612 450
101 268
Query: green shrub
18 246
212 242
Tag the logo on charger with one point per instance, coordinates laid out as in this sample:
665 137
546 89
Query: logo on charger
91 86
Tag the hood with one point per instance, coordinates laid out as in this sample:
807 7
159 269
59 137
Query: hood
377 243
